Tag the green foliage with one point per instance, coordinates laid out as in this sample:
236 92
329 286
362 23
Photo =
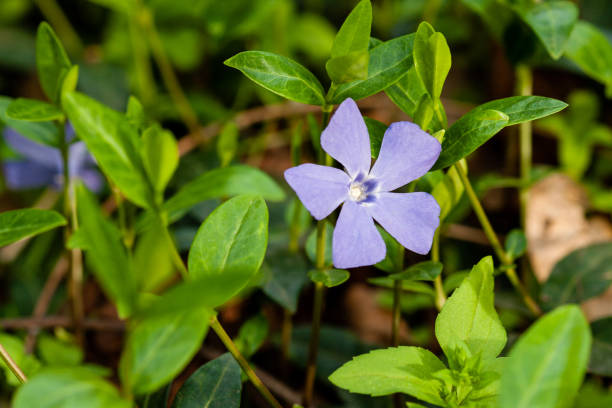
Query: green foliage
426 271
216 384
113 142
105 253
223 182
311 245
449 190
329 277
547 364
432 59
160 156
516 243
159 347
19 224
284 275
227 143
41 132
252 335
52 62
376 130
57 352
15 348
32 110
601 352
68 388
468 318
280 75
580 275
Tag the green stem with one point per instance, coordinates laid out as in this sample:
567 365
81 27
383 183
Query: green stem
185 110
494 241
176 257
10 363
524 86
54 14
435 256
397 294
231 347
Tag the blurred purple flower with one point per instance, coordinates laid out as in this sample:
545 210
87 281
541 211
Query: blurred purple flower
407 153
42 165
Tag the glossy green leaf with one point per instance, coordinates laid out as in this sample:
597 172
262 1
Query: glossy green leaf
469 316
591 50
432 59
114 144
32 110
284 275
223 182
516 243
397 369
41 132
229 247
354 34
159 347
68 388
407 92
329 277
52 62
105 252
19 224
216 384
349 67
280 75
547 364
580 275
552 22
389 61
426 270
601 353
468 133
160 156
376 130
523 108
227 143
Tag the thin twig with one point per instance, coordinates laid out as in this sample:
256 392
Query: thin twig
8 360
21 323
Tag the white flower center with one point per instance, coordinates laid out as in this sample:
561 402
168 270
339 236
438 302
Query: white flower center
357 191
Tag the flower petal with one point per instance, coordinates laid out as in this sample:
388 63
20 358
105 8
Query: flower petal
356 241
411 218
24 175
346 139
44 155
320 188
407 153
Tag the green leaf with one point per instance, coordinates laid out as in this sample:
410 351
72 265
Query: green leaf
590 49
160 156
280 75
395 369
407 92
582 274
354 34
227 143
52 62
157 399
329 277
114 144
45 133
516 243
19 224
105 253
468 133
229 247
601 352
523 108
389 264
15 347
449 190
311 245
68 388
152 260
432 59
349 67
552 22
223 182
547 363
54 351
251 335
284 275
469 316
32 110
216 384
376 130
389 61
426 270
159 347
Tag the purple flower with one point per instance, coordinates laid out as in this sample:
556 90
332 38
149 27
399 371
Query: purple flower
407 153
42 165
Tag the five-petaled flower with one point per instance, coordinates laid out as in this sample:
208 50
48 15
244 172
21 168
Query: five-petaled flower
407 153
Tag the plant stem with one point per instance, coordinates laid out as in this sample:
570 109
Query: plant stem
494 241
435 256
397 294
53 12
231 347
10 363
76 262
524 86
167 71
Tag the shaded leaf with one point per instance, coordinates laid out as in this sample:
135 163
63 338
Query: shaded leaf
19 224
283 278
329 277
426 270
41 132
601 352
